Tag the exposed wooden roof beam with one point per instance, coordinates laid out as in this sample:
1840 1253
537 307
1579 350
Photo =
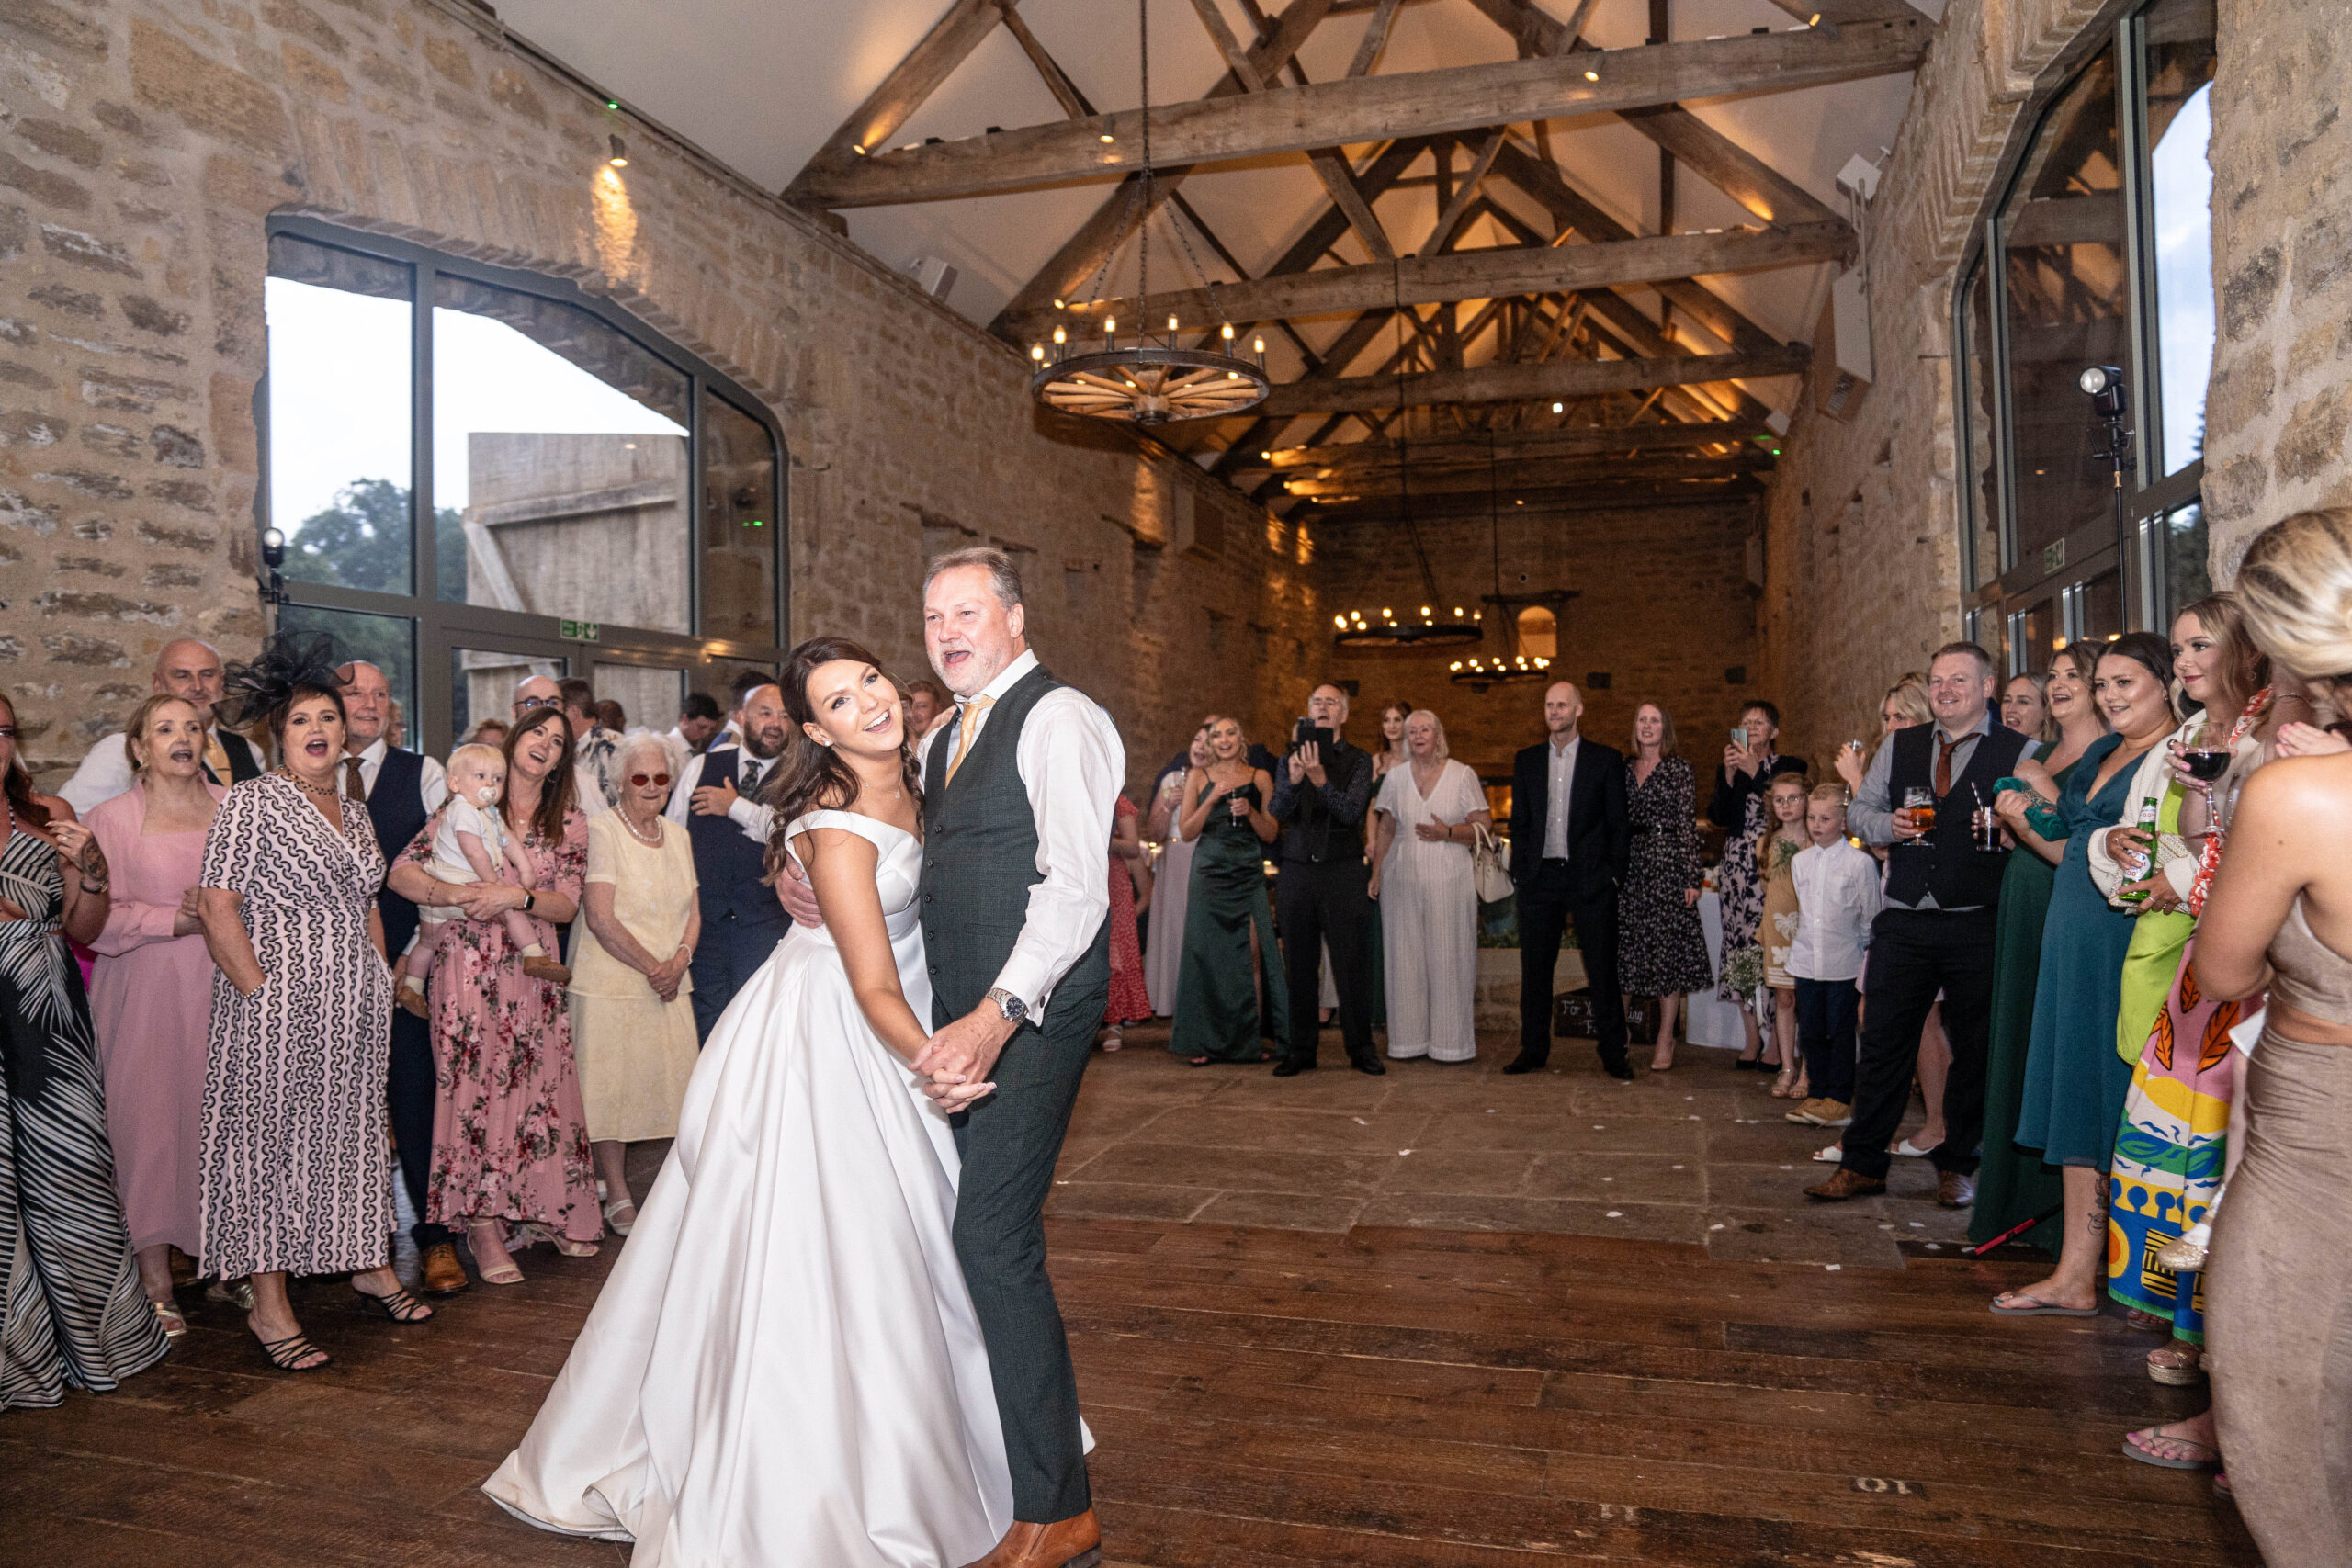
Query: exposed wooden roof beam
1084 253
1366 109
950 40
1504 383
1356 455
1466 275
1717 158
1631 496
1512 475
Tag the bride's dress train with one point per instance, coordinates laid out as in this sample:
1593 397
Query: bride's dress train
784 1367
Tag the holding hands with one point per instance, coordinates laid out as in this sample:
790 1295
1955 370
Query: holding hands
957 1060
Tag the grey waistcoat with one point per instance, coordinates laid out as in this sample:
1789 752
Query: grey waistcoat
979 863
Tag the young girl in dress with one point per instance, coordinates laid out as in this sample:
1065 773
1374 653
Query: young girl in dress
470 845
1778 932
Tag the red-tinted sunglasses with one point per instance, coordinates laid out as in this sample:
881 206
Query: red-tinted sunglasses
641 779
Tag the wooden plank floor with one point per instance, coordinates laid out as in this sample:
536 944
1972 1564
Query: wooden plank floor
1376 1396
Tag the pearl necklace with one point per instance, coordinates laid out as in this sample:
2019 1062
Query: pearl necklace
653 842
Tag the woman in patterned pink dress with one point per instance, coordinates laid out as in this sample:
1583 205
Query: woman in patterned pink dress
509 1132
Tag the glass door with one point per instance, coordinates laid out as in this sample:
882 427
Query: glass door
483 681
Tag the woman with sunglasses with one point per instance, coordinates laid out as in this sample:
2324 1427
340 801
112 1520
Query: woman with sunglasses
631 1023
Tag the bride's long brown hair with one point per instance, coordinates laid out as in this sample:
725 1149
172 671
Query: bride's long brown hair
811 777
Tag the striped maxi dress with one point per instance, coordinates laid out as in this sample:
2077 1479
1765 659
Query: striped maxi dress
71 1309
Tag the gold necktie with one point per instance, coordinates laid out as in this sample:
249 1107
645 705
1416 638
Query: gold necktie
355 785
216 756
967 730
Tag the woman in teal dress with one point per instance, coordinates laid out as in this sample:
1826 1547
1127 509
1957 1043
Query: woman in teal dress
2075 1082
1230 985
2012 1184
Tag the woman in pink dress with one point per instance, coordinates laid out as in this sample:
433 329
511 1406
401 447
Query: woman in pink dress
1129 1001
151 999
510 1131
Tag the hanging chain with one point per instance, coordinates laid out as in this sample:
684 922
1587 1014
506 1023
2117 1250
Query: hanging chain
1404 435
1143 226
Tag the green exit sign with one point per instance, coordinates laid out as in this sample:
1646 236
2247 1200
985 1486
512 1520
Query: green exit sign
580 631
2054 556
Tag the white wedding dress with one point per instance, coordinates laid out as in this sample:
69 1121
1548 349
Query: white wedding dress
784 1370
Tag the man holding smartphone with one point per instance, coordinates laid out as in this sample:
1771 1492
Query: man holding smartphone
1321 792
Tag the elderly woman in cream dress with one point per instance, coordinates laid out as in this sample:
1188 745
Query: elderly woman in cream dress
632 1025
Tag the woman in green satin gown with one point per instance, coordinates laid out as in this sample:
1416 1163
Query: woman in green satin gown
1230 992
2012 1184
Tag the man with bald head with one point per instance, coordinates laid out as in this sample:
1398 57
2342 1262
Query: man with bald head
1571 838
187 669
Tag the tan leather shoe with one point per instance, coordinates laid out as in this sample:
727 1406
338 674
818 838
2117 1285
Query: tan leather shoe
1954 1190
444 1275
1066 1543
1844 1184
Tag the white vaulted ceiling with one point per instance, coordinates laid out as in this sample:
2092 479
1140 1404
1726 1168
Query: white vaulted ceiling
763 84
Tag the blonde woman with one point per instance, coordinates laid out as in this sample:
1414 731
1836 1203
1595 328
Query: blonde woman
1422 879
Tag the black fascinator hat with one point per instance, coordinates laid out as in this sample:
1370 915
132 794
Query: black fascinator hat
290 665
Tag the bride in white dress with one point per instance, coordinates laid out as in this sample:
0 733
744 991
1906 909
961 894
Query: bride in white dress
784 1367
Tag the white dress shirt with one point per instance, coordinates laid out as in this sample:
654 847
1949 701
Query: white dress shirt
1072 763
1563 762
434 785
746 813
105 772
1837 897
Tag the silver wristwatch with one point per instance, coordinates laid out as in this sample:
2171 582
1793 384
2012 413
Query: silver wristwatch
1013 1008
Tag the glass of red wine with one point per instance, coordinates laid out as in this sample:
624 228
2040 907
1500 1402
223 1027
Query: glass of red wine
2205 765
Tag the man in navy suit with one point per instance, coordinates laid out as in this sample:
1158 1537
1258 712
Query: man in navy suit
1570 840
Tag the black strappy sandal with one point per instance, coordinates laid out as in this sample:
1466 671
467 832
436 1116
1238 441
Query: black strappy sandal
284 1353
400 1305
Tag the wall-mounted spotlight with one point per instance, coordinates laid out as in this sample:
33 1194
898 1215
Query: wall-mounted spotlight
619 159
2103 384
273 559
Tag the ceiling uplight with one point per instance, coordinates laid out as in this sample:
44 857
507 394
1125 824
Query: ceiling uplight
1592 75
619 159
1107 138
858 148
1557 406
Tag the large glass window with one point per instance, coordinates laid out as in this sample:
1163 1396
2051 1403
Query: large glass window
1978 419
2068 305
2177 45
482 475
561 447
340 348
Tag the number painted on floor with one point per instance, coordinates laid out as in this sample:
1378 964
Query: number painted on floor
1881 1486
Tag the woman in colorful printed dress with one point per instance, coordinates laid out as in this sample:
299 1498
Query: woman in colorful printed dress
1130 1001
296 1153
510 1135
2170 1144
71 1311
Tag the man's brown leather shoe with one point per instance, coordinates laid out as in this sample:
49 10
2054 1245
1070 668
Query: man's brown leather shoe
1954 1190
1844 1184
444 1275
1066 1543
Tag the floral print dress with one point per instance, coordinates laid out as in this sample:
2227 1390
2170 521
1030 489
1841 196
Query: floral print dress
509 1132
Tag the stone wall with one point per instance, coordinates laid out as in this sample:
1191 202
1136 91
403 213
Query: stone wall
144 143
1664 611
2278 419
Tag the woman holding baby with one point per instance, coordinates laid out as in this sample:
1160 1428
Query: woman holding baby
510 1138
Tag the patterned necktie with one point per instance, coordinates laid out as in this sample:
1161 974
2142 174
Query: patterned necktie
355 786
1944 749
967 730
216 756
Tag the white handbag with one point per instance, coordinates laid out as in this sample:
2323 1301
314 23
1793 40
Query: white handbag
1488 866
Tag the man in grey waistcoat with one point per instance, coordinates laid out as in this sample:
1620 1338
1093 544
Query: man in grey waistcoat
1019 787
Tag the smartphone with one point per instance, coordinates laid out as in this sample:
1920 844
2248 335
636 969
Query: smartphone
1308 733
1739 736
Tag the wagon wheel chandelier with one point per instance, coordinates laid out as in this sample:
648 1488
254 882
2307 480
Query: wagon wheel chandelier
1154 381
1504 669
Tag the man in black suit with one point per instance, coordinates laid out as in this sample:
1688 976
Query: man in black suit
1570 840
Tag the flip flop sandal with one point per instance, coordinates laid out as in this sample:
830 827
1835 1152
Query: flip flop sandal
2041 1308
1911 1151
1834 1155
2133 1449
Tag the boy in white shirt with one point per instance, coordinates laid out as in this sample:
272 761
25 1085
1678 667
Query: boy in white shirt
1837 897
